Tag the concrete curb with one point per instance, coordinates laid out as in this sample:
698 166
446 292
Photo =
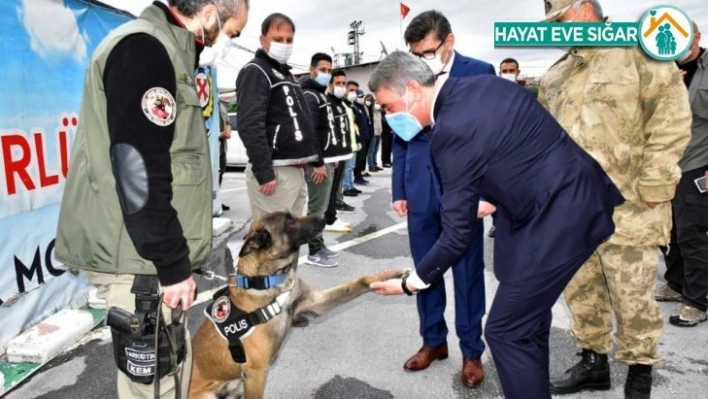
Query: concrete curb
50 337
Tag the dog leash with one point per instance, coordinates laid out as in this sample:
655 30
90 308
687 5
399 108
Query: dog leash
173 349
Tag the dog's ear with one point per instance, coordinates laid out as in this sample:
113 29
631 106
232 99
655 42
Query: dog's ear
255 240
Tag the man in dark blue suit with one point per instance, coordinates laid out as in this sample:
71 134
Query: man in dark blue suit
554 202
430 37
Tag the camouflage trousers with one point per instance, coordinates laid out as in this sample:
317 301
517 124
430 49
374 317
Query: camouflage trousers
620 280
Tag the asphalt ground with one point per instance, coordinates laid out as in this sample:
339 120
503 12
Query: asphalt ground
357 351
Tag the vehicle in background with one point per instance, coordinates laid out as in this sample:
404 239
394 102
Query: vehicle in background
235 151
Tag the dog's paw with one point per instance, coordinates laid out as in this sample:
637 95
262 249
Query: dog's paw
384 275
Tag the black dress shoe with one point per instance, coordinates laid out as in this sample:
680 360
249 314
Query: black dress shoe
591 373
387 165
356 190
349 193
225 207
361 181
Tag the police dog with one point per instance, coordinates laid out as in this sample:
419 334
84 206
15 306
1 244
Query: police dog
271 248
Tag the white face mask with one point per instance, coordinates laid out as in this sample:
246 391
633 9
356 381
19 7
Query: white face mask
339 91
377 107
217 52
509 76
368 103
360 100
435 64
351 97
280 51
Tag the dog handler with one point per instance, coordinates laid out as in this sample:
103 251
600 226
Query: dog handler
137 201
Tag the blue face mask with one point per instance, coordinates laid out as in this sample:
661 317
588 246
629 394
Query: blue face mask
405 125
323 79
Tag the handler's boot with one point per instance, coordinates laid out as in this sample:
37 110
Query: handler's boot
592 373
638 385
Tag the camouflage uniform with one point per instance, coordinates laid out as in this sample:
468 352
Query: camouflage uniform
632 115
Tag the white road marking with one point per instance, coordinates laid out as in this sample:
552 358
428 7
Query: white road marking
230 190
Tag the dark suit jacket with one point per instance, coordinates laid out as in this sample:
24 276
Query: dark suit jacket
554 201
411 160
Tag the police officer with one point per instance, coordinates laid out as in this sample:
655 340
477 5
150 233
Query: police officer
138 196
274 124
344 150
332 149
631 113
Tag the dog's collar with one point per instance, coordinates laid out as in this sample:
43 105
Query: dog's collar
260 282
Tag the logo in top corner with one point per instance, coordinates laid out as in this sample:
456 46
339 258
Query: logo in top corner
221 309
666 33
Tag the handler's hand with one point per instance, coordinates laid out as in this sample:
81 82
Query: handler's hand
401 207
184 291
318 174
485 209
682 73
268 188
388 287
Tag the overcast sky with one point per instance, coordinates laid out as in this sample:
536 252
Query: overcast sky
323 24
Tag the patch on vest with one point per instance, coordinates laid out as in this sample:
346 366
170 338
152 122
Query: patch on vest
203 83
159 106
221 309
278 74
229 321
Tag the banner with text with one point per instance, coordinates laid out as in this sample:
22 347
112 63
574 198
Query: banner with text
45 47
664 33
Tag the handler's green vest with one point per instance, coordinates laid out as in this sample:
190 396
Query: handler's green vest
91 233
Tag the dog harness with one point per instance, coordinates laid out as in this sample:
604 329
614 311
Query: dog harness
233 324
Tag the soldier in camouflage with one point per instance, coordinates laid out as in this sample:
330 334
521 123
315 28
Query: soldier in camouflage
631 113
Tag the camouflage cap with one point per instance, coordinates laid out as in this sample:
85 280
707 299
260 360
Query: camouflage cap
556 8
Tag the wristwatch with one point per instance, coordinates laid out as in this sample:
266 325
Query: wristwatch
404 284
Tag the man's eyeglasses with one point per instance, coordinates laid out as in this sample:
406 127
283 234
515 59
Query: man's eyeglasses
429 55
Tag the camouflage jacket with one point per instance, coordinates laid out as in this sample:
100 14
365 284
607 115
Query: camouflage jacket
632 114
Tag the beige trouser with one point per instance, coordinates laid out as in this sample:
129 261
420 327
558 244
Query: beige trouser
620 280
115 289
290 192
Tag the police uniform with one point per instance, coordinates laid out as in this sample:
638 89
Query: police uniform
278 133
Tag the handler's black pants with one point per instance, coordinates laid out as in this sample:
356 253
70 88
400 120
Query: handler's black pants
687 258
331 212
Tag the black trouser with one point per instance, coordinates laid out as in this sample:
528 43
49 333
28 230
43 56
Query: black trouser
222 160
687 258
331 212
360 165
386 147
